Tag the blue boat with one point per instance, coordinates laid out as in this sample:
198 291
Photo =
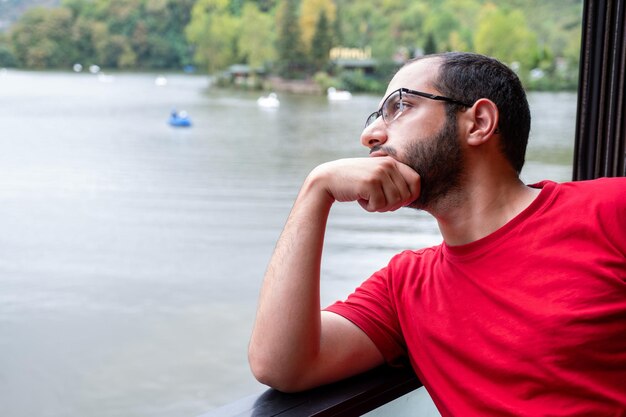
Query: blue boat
179 119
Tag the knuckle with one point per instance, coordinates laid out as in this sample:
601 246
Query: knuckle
373 181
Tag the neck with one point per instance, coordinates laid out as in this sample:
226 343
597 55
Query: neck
481 207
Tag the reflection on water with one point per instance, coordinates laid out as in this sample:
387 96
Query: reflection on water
131 252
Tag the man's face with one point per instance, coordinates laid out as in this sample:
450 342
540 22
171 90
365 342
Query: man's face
423 136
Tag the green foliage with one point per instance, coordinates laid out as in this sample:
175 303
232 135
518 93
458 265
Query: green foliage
430 47
256 37
309 14
39 38
114 34
507 37
212 31
321 43
265 6
358 81
291 62
325 81
7 57
293 37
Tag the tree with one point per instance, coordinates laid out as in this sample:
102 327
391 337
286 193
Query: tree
80 8
40 38
83 37
430 47
213 33
120 16
265 6
291 58
159 40
406 25
337 28
441 24
115 52
309 16
7 57
506 36
456 42
321 43
257 38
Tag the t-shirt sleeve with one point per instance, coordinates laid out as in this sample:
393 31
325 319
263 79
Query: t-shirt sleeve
372 308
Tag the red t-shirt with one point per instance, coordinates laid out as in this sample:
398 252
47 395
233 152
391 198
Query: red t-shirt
528 321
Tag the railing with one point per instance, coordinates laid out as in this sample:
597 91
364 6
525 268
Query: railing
351 397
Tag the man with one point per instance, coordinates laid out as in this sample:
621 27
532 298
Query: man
520 311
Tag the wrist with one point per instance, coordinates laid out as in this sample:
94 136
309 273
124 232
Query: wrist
315 186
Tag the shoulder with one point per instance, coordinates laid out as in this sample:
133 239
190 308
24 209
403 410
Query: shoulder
408 257
410 265
605 183
405 268
600 201
609 190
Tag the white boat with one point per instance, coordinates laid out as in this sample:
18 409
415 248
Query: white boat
338 95
270 101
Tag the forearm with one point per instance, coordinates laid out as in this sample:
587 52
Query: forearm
286 335
293 345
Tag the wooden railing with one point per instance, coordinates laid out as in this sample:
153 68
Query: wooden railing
351 397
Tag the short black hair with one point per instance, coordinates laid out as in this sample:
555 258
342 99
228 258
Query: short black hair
468 77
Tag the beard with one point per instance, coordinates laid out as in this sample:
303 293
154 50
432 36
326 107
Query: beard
439 162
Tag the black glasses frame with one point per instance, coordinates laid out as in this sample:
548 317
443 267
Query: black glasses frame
379 113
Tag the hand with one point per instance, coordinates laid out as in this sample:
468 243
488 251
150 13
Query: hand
377 184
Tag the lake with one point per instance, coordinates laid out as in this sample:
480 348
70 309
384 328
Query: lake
131 252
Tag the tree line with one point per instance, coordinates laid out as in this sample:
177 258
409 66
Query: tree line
293 38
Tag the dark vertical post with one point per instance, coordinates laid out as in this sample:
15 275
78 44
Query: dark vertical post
600 149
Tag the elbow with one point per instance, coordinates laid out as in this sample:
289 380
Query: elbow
275 374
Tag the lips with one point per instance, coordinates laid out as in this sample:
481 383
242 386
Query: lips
377 151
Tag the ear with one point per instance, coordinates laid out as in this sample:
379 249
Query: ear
483 121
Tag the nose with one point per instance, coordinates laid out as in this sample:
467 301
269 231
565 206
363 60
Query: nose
374 134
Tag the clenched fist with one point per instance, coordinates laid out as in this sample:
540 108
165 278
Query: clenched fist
377 184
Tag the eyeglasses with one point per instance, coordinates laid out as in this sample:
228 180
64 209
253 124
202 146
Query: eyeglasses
393 105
